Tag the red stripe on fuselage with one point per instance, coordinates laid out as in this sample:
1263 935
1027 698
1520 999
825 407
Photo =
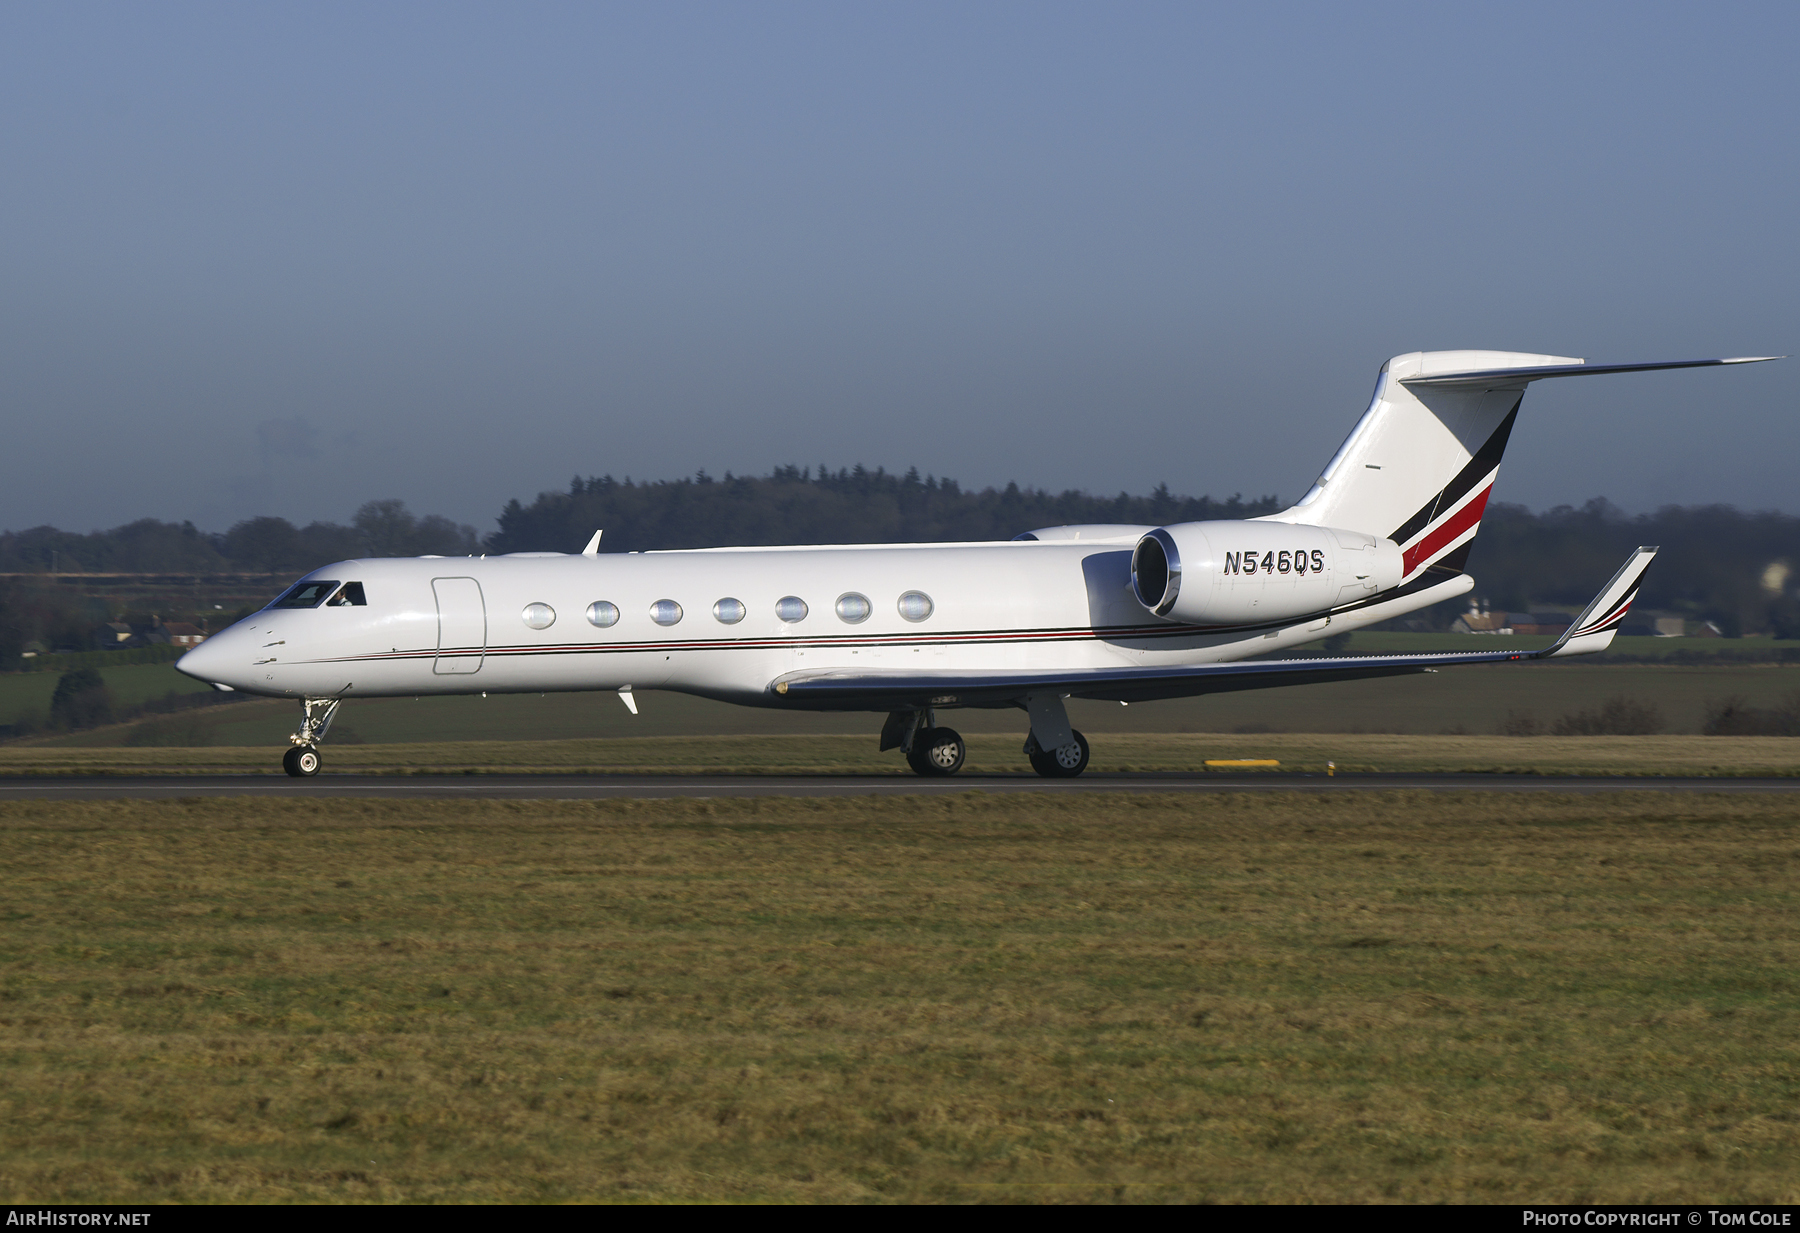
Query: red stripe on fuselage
1446 534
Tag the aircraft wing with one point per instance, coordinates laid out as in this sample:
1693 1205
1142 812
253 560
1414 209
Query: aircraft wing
844 689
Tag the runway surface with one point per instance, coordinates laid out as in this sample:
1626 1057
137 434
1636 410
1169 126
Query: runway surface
604 787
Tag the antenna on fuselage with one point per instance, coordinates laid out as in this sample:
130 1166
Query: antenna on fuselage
593 548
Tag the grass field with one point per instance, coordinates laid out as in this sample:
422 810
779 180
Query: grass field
1471 700
1376 642
24 693
1371 997
988 754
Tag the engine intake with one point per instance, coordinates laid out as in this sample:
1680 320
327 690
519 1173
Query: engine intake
1156 572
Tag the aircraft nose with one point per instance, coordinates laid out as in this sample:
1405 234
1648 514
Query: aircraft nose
213 661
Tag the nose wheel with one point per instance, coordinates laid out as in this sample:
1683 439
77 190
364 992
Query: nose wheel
316 714
301 762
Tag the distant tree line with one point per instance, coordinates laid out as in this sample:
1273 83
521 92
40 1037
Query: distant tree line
256 545
796 505
60 618
1739 570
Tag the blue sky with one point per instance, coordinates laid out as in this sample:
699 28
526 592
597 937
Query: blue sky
285 259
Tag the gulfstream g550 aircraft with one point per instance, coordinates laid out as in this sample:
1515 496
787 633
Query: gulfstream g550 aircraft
1124 613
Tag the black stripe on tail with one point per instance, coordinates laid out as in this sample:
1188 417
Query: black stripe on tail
1484 461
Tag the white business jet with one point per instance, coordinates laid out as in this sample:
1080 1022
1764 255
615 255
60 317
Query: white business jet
1123 613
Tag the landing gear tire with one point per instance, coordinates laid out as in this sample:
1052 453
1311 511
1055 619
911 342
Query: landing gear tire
937 752
300 762
1064 763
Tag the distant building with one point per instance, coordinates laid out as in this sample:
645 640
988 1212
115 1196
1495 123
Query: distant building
117 635
1473 622
1478 620
1539 622
180 633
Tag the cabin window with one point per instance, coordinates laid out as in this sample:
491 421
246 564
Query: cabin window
304 595
350 595
791 608
665 612
854 609
729 611
602 615
916 605
538 616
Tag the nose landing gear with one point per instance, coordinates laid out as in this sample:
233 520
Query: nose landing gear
316 714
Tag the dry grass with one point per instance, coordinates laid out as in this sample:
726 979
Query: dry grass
1477 700
826 754
1410 997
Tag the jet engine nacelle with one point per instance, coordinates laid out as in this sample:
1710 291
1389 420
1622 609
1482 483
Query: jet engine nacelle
1235 573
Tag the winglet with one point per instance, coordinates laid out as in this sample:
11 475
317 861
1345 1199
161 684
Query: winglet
1593 630
593 548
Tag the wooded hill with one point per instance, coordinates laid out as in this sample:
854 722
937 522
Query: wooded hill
793 505
254 546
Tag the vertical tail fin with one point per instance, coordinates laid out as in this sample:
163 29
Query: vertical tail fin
1419 465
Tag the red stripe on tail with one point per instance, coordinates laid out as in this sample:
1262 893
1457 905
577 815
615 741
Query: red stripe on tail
1422 552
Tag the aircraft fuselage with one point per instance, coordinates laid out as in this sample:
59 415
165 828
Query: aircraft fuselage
725 623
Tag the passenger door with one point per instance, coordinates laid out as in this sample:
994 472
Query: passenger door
462 626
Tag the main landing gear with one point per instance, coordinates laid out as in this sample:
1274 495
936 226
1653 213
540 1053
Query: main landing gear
316 714
1055 750
936 752
930 750
1065 762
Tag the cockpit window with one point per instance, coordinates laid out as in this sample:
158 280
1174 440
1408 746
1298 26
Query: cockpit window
350 595
305 595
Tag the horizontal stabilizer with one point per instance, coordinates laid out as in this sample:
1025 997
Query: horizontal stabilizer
1518 378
